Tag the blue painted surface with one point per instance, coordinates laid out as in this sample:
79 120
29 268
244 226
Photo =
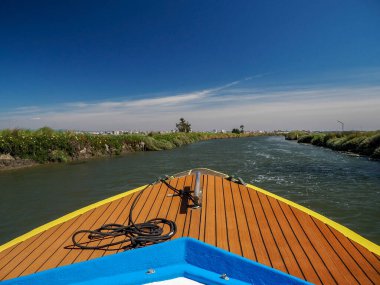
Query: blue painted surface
184 257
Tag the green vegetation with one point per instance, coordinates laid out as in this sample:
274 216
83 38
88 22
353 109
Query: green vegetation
295 135
47 145
364 143
237 131
183 126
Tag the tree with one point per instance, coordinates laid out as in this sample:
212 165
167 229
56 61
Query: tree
235 131
183 126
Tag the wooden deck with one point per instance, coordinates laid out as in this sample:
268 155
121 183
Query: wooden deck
233 217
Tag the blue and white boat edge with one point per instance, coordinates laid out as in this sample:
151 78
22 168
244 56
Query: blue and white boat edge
183 257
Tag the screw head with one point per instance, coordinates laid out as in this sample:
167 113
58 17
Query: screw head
150 271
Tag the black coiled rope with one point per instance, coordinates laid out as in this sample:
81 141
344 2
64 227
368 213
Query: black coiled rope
136 234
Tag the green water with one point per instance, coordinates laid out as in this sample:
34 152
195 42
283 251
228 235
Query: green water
341 187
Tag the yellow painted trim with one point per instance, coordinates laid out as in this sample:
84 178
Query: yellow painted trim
66 218
342 229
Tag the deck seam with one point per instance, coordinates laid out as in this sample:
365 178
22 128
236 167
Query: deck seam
90 227
210 227
340 228
10 251
259 228
32 250
348 252
299 242
363 256
247 223
334 250
76 228
99 242
236 218
157 192
125 220
323 261
273 236
13 248
171 198
51 243
138 207
225 214
284 237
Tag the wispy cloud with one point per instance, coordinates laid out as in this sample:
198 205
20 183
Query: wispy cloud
226 106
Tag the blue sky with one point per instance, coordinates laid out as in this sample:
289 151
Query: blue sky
97 65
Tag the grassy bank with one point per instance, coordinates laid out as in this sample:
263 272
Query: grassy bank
47 145
363 143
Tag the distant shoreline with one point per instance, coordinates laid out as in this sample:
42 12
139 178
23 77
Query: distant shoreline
353 143
25 148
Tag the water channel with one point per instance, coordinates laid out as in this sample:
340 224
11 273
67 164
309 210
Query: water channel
342 187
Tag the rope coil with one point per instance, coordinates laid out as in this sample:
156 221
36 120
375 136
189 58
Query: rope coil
136 234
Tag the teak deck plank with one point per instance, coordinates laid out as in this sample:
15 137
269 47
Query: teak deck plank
354 269
57 250
210 225
232 217
14 251
307 269
242 223
269 241
221 228
368 256
285 250
93 222
257 241
324 275
331 259
48 250
232 227
16 265
366 267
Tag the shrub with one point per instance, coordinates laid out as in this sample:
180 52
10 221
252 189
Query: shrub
353 143
376 153
305 139
294 135
319 140
369 145
58 156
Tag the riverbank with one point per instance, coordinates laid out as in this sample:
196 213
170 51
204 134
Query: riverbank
361 143
24 148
